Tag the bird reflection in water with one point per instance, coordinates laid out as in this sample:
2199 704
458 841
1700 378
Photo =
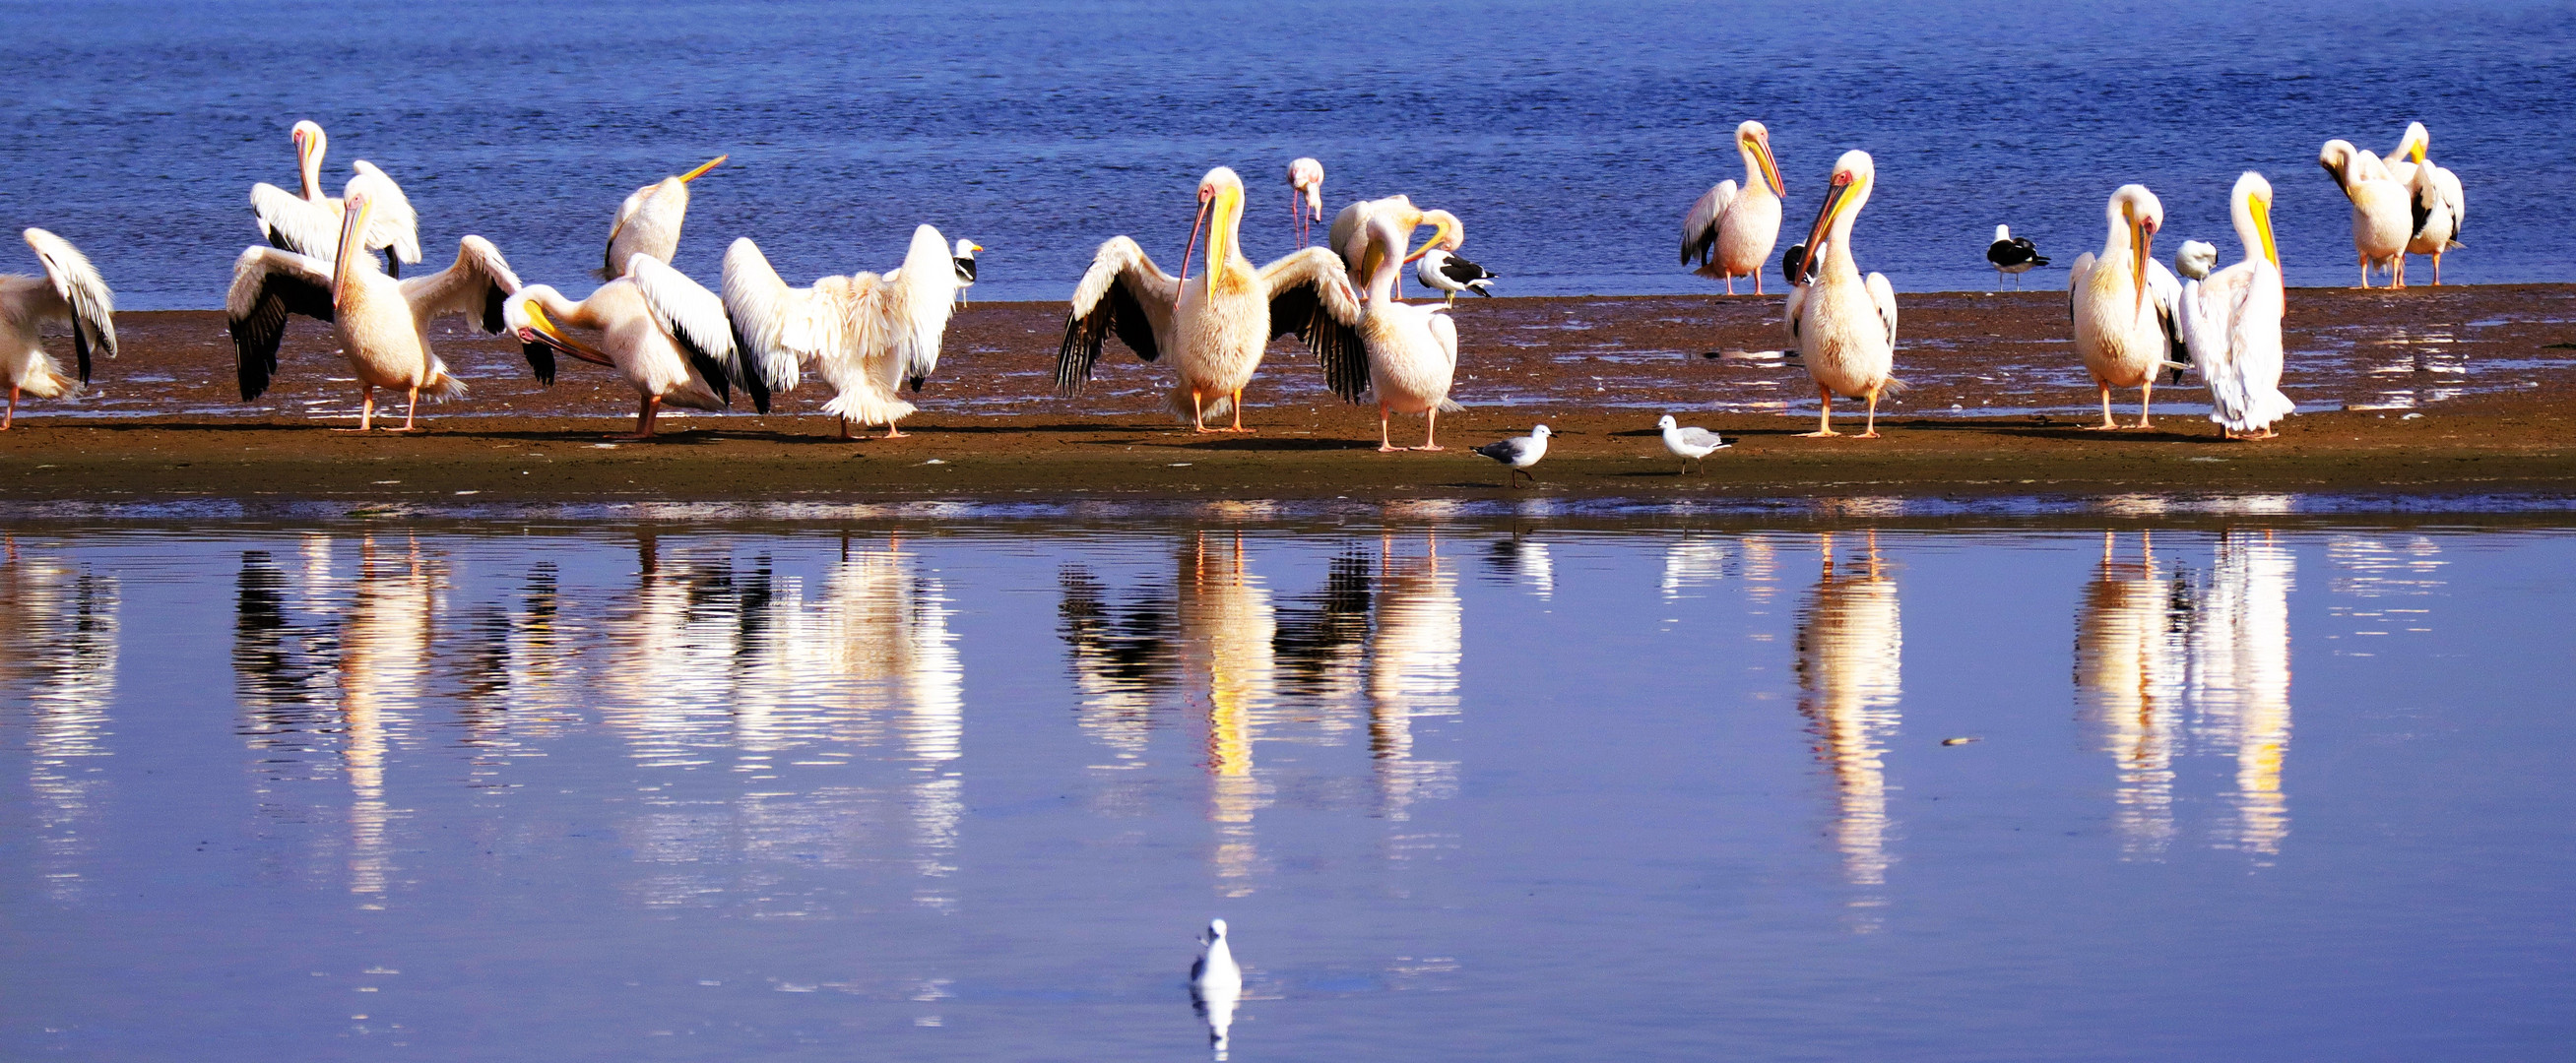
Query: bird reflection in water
384 654
1226 628
2129 655
2240 679
1413 655
58 646
1525 561
1850 648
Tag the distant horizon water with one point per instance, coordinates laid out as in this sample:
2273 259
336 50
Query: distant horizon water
1571 140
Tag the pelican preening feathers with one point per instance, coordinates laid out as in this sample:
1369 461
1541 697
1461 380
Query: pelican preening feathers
307 222
1350 239
1412 350
2231 321
648 223
382 323
1214 330
70 291
2438 204
1731 230
1305 196
2012 254
666 334
1845 326
867 335
2122 303
2381 219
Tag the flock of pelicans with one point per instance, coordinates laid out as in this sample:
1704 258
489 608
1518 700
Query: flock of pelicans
871 335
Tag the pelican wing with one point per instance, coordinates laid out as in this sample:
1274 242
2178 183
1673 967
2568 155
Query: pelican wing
2454 197
294 223
1123 292
475 286
1445 332
919 297
695 317
92 305
268 285
2201 315
2075 275
1883 296
2166 291
1310 297
777 328
391 224
1699 227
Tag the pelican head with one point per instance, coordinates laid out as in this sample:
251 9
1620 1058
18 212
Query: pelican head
1854 173
2195 259
703 167
1447 233
522 314
310 145
2138 213
2336 157
2251 202
1220 211
2415 143
1754 141
1306 177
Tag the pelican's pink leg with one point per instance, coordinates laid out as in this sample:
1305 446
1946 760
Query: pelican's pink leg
12 416
366 409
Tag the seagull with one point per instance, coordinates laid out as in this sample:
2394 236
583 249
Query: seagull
1215 985
1689 444
2012 254
965 266
1449 273
1519 452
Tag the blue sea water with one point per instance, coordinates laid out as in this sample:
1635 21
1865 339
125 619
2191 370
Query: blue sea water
1570 137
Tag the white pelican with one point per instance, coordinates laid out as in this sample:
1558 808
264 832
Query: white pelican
1689 444
2122 303
2439 204
69 291
1215 331
1412 350
964 256
2196 259
1519 452
1349 235
2012 254
1216 985
867 334
1305 181
309 223
2380 216
1845 327
666 334
1444 272
382 323
2232 322
648 223
1732 230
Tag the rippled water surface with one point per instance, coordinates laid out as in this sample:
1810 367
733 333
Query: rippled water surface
966 791
1571 137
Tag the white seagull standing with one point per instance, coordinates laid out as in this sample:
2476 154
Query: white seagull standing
648 223
666 334
2232 322
1845 327
1215 330
2012 254
867 334
1519 452
2121 302
1444 272
308 222
2381 218
71 291
2439 205
1216 986
1306 183
1412 350
965 259
1689 444
1731 230
382 323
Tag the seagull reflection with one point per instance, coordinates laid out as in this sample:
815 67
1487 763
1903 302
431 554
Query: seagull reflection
1527 561
1216 985
58 624
2129 656
1692 563
1850 647
2240 678
1413 656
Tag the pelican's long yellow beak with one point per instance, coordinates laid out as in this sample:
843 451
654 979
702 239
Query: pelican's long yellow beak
1444 229
1224 214
2139 237
1834 198
1770 166
2417 153
547 333
2263 227
703 168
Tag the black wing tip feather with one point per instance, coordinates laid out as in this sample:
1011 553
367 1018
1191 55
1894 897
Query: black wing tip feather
754 384
541 360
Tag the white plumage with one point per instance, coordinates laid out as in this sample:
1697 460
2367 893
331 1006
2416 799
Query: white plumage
866 335
2232 322
2121 304
2381 217
663 332
307 222
70 291
648 222
1349 235
1412 350
1306 182
1731 229
1216 986
1844 326
1689 444
2438 204
1519 452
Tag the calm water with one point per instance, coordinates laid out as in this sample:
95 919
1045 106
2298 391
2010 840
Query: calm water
1570 137
966 791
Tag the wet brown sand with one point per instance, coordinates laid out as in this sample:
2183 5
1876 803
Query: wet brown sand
2432 392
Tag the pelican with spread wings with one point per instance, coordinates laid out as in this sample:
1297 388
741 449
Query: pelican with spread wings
307 222
666 334
382 323
1215 329
866 334
70 290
